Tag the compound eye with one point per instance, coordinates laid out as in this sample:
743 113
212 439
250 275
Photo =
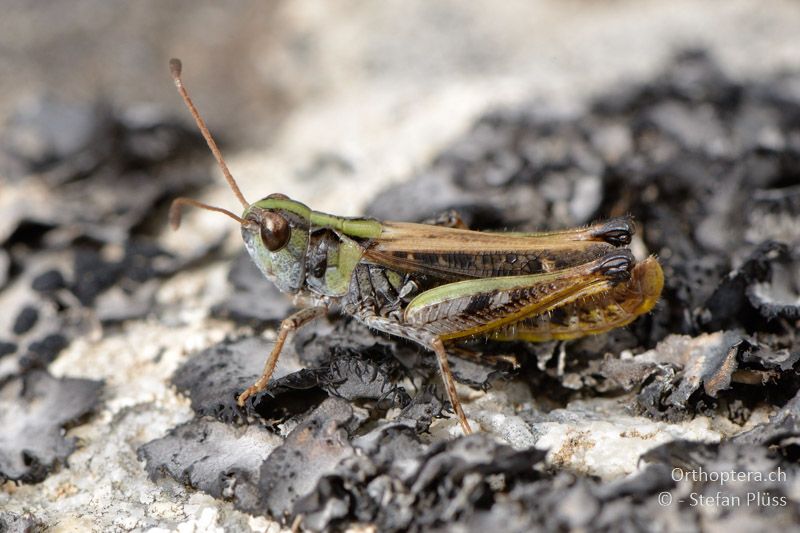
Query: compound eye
275 232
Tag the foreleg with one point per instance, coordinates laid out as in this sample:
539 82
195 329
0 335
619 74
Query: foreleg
289 324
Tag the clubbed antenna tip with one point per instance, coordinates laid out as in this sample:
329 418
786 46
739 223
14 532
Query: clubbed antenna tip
175 67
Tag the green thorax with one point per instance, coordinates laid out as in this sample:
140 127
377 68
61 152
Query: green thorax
324 249
362 228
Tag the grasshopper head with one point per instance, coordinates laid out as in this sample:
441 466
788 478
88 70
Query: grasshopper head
275 229
275 232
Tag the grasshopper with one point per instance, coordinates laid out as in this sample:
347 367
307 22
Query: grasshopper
439 282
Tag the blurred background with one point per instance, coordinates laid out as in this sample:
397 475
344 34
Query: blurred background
382 86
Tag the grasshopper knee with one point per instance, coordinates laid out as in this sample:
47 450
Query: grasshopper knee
616 265
617 231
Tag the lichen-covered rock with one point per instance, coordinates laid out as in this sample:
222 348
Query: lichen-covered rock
35 408
219 459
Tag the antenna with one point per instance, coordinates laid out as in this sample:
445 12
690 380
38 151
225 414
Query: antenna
175 211
175 68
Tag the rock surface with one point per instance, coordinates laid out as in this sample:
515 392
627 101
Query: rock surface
341 104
